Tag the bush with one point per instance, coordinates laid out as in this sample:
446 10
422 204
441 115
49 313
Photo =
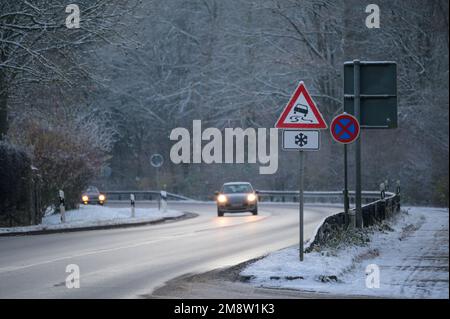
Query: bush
15 187
64 163
67 143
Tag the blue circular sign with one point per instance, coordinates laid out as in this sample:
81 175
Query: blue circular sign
344 128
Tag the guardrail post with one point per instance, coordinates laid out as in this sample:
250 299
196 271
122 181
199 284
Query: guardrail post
383 190
62 206
132 200
163 201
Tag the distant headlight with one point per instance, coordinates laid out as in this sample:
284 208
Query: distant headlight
85 198
251 197
101 197
222 198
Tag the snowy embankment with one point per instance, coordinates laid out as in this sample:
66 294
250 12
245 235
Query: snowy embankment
96 216
410 251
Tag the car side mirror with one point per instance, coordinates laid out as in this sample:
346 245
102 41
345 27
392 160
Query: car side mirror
257 192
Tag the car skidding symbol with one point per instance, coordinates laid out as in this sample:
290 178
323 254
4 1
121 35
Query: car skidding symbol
300 109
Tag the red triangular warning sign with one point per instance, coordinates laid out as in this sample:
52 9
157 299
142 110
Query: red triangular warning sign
301 112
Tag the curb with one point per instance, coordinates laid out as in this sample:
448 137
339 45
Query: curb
186 215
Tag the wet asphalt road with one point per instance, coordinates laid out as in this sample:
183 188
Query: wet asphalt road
131 262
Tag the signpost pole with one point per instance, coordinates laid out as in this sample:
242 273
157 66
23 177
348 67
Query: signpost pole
156 160
302 169
346 199
157 179
157 188
357 99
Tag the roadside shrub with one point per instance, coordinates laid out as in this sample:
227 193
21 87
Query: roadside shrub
64 163
15 186
68 150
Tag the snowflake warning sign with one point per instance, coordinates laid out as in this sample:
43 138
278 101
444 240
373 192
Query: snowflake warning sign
298 140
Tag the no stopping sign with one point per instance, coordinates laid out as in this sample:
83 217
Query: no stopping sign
344 128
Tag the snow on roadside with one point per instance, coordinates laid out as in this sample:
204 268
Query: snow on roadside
94 215
412 258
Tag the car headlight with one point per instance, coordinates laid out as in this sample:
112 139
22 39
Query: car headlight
222 198
85 198
251 197
101 197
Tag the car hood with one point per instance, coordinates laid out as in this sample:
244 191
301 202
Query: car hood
91 194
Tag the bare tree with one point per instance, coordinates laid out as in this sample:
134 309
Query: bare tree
37 47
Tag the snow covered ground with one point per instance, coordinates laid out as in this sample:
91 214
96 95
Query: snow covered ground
94 215
411 254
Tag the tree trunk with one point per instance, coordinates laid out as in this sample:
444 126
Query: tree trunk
3 105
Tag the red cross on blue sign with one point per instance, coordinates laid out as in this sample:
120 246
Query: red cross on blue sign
344 128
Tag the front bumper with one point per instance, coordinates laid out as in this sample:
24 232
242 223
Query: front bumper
93 201
237 208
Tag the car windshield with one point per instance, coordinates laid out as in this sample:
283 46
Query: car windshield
92 189
236 188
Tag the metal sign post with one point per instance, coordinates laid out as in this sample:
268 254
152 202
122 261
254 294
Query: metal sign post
157 160
301 140
358 205
346 198
300 199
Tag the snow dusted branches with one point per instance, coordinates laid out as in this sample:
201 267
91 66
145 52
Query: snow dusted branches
34 38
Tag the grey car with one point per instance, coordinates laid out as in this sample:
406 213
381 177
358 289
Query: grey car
93 196
237 197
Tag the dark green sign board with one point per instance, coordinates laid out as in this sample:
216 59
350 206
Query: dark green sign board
378 93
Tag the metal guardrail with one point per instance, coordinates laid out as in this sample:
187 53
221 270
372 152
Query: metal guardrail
141 195
372 213
292 196
264 195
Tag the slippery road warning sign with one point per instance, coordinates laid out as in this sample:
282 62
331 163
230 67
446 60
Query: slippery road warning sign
301 112
297 140
344 128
